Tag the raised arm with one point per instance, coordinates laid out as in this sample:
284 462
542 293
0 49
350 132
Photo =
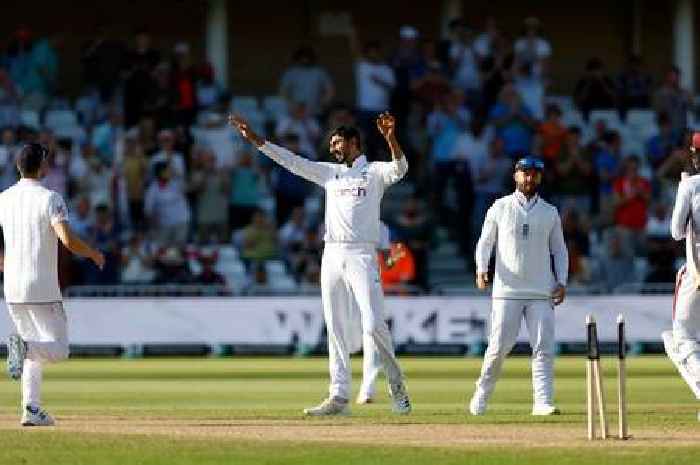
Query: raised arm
318 173
398 167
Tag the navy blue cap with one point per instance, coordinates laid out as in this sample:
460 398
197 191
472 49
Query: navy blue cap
529 163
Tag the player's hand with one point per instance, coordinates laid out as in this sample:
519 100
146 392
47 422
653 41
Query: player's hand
244 128
482 280
396 253
386 125
558 294
99 259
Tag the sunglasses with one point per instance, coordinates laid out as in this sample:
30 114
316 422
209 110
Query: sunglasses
530 164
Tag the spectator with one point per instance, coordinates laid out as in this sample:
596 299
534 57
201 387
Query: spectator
289 189
106 135
8 150
166 208
576 231
134 169
402 271
292 236
211 192
660 145
632 194
374 83
531 89
575 181
407 62
301 123
489 44
96 183
553 134
513 121
183 80
595 90
464 63
81 220
245 192
674 100
103 58
258 240
162 98
171 267
167 154
33 66
617 264
414 228
105 237
306 82
445 126
139 83
490 175
532 49
633 86
661 249
607 162
209 276
208 91
137 260
56 177
432 87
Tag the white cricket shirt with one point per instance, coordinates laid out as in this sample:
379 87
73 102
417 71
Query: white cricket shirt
686 214
353 194
27 212
527 235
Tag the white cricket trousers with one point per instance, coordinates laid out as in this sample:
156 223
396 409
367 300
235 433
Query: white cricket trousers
45 330
686 321
506 316
350 271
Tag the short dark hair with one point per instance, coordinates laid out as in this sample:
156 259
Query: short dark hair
30 158
348 133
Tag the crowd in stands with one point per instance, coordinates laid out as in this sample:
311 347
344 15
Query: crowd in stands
157 180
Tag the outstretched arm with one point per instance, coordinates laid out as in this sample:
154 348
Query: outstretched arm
315 172
557 248
76 245
484 247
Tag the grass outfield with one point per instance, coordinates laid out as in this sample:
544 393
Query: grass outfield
248 410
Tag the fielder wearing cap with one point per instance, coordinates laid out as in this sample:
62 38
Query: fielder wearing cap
526 233
681 344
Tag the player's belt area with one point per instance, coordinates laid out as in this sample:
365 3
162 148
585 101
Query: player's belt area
355 246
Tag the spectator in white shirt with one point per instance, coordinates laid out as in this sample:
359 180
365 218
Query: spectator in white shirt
166 208
167 153
305 126
305 81
374 83
464 62
8 149
531 48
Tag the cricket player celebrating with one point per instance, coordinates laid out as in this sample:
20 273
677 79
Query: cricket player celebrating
681 343
32 218
354 189
527 233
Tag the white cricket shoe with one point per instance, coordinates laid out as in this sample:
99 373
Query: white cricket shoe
364 398
477 406
329 407
543 410
16 352
399 396
36 416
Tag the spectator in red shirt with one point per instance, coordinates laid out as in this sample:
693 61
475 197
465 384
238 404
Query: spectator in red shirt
631 199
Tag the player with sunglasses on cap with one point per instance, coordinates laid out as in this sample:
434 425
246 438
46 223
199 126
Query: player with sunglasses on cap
526 233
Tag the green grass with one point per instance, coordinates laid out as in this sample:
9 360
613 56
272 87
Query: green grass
236 393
